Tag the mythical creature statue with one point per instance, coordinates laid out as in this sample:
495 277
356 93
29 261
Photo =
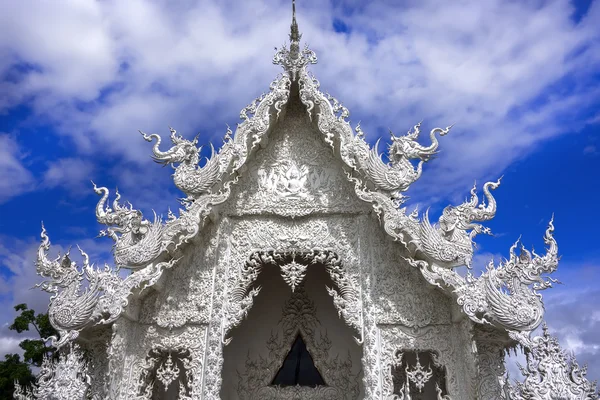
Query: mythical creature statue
508 295
137 240
400 173
70 308
450 242
189 177
550 374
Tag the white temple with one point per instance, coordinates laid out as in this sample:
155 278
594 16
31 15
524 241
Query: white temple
294 271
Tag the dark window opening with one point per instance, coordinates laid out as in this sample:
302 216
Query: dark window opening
298 368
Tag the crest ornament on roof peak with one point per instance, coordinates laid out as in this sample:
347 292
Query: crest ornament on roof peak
293 60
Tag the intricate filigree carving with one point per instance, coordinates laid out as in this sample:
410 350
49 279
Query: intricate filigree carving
400 173
71 306
86 295
450 242
508 295
292 60
293 273
346 298
137 240
63 379
418 375
320 193
550 373
189 177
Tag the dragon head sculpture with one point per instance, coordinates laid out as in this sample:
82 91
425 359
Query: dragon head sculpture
397 175
183 150
189 177
450 242
137 240
507 295
71 306
406 147
461 218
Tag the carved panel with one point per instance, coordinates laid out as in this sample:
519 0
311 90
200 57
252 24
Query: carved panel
433 338
296 174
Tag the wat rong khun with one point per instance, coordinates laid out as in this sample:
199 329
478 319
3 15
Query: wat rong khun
293 270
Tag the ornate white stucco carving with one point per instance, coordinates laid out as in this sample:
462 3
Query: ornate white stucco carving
550 373
81 297
293 188
64 379
346 296
507 295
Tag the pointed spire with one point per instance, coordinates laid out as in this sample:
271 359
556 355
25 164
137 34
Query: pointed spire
293 60
295 34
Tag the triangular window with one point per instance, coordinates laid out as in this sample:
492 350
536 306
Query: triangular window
298 368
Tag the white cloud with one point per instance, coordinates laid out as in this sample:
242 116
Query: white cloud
15 178
590 149
10 345
71 173
195 65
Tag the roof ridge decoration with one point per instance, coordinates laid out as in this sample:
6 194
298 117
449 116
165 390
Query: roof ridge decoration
436 249
505 296
550 373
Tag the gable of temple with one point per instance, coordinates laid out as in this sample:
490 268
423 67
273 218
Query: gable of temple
293 270
295 174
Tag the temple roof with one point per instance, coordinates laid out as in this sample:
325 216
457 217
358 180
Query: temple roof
506 295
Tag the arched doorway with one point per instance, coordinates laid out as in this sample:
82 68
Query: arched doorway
292 344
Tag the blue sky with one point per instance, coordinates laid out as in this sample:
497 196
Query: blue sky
519 79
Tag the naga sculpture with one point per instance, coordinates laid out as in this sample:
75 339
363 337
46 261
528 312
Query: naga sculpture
450 241
508 295
189 177
137 240
400 173
70 307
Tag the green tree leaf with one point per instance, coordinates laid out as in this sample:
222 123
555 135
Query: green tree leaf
13 368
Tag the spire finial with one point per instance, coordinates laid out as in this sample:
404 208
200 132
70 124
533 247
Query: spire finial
295 35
